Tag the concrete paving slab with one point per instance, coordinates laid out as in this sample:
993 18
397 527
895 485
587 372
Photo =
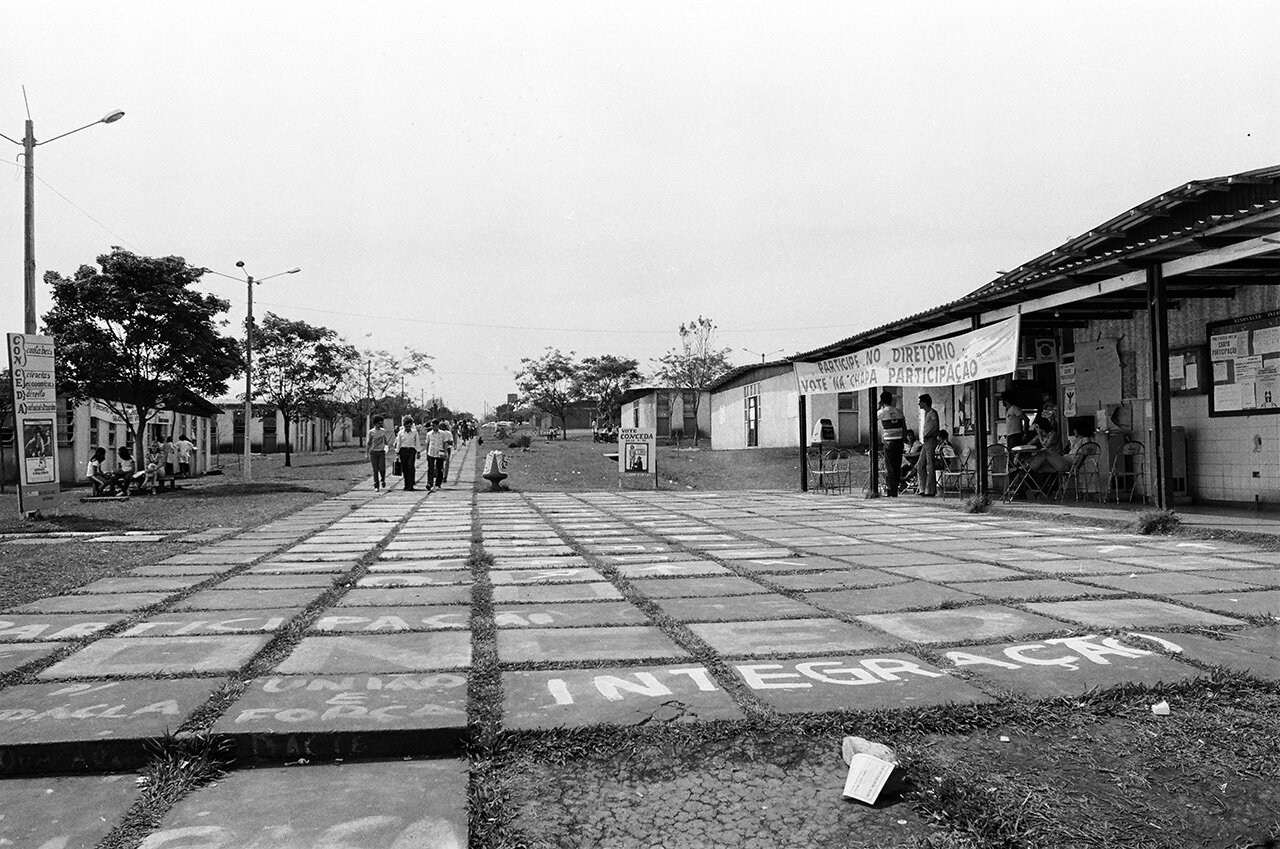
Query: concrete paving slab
221 558
1248 603
406 596
1269 558
1128 613
982 622
58 727
903 596
1255 651
691 587
210 622
501 577
62 812
49 627
392 805
279 567
1179 562
391 619
643 695
687 569
139 584
572 562
736 608
1164 583
954 572
1261 577
540 593
249 599
424 651
530 550
781 565
315 557
1011 555
415 579
119 656
825 683
16 655
103 603
899 558
178 570
787 636
754 553
276 582
428 565
848 578
1026 589
670 557
328 716
626 642
1068 666
1072 567
568 615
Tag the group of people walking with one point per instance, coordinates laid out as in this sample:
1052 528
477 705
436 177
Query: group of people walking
406 445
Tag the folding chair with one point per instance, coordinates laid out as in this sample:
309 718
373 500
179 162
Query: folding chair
957 471
1084 474
1128 471
997 468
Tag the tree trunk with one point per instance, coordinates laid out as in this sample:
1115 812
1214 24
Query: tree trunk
287 460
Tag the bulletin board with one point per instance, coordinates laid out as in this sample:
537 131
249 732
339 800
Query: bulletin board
1244 354
1189 371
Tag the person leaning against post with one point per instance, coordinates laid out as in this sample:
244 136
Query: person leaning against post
378 440
893 427
408 446
929 427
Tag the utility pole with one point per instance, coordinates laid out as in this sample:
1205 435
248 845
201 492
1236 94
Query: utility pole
368 389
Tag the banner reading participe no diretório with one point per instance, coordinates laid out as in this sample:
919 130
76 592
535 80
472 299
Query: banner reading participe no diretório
986 352
35 416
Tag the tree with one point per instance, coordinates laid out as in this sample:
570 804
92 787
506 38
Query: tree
134 335
548 383
604 379
297 366
696 363
371 378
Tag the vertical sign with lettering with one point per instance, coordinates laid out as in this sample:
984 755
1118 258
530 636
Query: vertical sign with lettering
35 415
638 453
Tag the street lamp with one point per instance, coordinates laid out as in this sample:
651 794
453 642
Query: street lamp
248 356
762 356
29 145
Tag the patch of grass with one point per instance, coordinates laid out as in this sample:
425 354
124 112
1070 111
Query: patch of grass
1156 522
521 441
976 504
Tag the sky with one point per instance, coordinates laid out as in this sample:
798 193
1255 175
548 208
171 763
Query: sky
481 181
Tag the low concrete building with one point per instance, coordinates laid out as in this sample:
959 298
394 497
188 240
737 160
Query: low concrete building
266 431
757 406
94 424
668 411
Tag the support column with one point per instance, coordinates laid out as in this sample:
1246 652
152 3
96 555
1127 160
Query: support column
980 401
804 446
1160 454
873 433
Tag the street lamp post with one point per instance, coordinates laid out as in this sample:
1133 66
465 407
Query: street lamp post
248 356
760 355
29 145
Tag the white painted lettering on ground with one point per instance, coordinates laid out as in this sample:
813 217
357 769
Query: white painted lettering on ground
1085 649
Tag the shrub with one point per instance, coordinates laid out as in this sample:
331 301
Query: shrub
521 441
976 504
1158 522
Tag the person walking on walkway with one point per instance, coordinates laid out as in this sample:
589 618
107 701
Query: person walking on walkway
408 445
437 448
926 477
893 427
377 442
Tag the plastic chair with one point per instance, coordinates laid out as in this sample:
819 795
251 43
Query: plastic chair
1084 474
1128 471
957 471
824 470
841 460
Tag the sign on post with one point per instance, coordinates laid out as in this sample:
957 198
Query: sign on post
638 453
35 416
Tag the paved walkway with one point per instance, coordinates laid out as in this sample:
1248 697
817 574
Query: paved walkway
345 632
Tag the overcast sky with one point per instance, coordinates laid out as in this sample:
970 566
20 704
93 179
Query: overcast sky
483 180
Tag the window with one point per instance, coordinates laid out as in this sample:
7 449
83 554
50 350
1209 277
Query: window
847 402
687 401
664 414
94 436
635 414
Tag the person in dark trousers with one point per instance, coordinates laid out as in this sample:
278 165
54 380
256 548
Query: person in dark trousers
378 440
893 427
929 427
408 446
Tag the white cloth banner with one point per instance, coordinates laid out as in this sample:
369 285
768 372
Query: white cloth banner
986 352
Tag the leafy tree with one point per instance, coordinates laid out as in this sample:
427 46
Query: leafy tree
695 363
604 379
297 365
134 333
548 383
373 374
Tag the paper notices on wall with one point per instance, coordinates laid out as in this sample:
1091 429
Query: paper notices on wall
1227 346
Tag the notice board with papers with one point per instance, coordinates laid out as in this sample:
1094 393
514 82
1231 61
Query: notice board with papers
1244 354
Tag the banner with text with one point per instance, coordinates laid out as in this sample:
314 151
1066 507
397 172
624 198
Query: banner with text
986 352
35 414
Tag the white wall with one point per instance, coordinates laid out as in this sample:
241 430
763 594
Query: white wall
779 422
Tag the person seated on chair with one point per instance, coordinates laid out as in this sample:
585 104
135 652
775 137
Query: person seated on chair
126 468
101 483
1049 461
945 450
912 446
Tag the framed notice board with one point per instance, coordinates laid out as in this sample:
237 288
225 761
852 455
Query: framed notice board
1244 354
1189 371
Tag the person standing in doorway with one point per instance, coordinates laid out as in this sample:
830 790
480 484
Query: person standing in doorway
1015 421
378 440
893 427
185 449
408 446
926 475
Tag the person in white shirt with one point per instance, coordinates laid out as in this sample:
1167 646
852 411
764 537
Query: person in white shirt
408 445
378 440
185 448
437 452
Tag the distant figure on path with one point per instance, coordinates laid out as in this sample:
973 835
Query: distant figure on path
892 432
929 427
378 441
408 446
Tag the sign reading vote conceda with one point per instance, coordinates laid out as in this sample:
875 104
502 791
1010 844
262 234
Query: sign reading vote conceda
35 410
987 352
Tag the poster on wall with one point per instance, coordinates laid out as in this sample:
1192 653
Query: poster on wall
35 410
1245 356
